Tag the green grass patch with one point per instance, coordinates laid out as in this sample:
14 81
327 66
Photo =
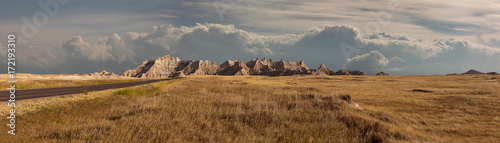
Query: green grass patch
152 89
129 92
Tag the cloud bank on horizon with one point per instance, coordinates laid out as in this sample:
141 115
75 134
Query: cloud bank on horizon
458 36
393 53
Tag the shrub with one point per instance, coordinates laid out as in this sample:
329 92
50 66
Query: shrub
345 97
85 91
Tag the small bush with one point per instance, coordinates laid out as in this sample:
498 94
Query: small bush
85 91
345 97
365 130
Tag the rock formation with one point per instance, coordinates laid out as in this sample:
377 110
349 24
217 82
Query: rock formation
198 67
322 70
473 72
348 72
167 66
233 68
102 73
161 67
381 73
492 73
263 67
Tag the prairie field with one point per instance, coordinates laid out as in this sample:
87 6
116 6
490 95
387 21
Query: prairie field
455 108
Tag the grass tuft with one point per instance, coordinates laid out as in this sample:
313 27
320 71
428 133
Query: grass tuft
345 97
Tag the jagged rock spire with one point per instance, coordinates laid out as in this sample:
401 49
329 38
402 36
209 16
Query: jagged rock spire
172 66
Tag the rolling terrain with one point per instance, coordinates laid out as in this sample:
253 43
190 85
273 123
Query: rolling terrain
454 108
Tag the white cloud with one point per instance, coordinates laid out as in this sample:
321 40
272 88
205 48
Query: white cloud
77 47
427 18
370 62
493 42
397 59
216 42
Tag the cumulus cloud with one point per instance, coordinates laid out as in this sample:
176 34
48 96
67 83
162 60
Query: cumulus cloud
124 51
493 42
434 56
396 53
369 62
428 18
397 59
408 55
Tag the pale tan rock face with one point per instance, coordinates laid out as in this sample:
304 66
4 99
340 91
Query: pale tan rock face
102 73
233 68
168 66
162 67
139 71
198 67
263 67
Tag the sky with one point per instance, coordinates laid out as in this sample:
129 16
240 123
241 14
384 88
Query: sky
424 37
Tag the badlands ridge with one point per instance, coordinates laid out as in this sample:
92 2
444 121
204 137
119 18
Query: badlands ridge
168 66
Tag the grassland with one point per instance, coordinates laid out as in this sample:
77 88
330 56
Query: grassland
462 108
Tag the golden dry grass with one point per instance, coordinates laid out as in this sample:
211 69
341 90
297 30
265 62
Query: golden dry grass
462 108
